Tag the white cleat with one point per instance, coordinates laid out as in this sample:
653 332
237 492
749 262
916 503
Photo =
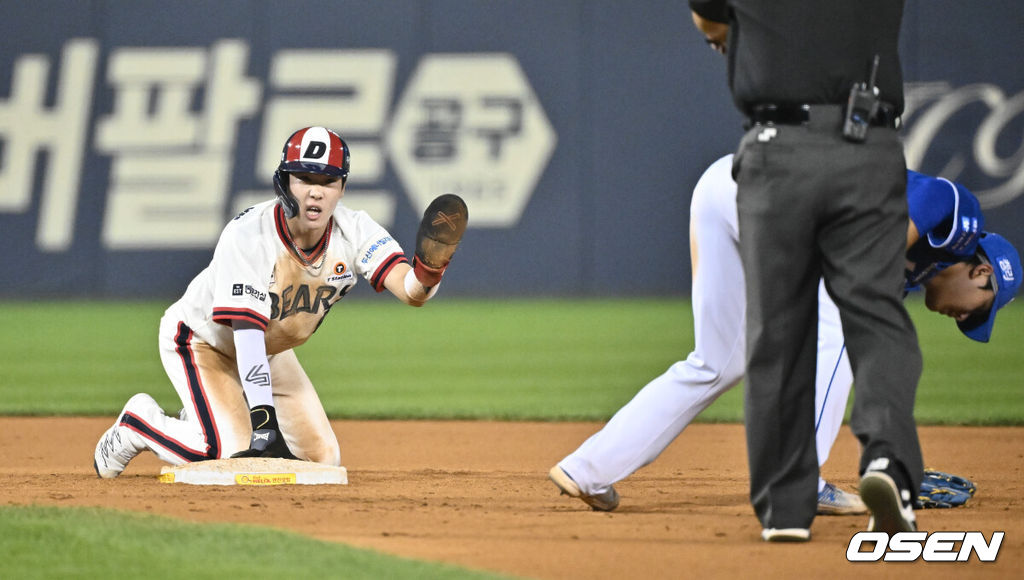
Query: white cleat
602 502
120 444
833 501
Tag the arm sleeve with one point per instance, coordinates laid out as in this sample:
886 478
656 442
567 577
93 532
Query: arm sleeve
241 278
253 366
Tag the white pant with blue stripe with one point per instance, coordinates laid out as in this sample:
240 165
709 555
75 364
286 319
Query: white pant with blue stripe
659 412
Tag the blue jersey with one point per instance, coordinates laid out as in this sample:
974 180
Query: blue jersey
949 219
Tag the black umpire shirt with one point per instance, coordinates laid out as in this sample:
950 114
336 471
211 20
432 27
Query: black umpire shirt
793 52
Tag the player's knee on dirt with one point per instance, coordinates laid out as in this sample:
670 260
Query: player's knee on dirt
231 445
325 452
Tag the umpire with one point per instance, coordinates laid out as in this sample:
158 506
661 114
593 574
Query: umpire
821 178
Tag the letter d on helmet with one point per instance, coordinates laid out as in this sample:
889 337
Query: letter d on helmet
309 150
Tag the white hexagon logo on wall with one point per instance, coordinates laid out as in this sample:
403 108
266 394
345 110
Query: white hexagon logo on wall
470 124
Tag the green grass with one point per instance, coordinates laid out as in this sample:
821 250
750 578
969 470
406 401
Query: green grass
516 360
524 359
94 543
968 382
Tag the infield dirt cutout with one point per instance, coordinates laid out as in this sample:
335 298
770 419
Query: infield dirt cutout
476 494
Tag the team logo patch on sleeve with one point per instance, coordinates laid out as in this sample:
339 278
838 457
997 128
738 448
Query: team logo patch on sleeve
248 290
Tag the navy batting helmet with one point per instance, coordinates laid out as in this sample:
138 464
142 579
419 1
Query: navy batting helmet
310 150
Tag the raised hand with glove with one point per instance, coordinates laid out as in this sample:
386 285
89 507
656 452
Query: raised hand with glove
440 231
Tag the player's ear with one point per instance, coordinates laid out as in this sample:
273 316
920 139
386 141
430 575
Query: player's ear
981 270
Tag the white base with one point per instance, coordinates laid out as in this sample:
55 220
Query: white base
254 471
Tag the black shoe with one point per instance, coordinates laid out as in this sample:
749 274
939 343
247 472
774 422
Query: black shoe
891 505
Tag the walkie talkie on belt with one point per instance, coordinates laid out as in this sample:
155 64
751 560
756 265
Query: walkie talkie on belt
861 107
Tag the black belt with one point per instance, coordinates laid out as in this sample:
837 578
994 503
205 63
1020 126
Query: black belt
771 114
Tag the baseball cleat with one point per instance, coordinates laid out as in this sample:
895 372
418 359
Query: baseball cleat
786 534
119 444
891 508
833 501
602 502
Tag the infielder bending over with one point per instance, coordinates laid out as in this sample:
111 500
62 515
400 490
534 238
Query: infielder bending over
278 268
967 274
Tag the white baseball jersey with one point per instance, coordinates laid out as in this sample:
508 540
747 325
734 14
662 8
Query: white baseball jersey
258 275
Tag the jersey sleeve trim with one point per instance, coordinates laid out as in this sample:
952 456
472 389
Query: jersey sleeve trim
377 280
933 239
226 315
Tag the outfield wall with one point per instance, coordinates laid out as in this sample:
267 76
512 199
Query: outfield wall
130 132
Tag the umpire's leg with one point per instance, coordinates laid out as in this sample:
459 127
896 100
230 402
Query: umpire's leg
776 225
866 281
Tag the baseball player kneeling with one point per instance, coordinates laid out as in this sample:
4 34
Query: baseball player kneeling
277 270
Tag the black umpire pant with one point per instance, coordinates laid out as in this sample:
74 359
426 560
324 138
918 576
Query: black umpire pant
812 204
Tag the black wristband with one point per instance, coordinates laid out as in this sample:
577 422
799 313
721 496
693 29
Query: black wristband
263 417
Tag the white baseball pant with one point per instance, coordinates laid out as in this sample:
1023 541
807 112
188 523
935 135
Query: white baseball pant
215 421
659 412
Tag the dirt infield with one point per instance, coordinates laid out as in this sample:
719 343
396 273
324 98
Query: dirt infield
476 494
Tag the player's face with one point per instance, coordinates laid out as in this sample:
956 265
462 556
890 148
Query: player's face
317 195
959 291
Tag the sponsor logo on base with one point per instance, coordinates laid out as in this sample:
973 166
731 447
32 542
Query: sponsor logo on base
265 478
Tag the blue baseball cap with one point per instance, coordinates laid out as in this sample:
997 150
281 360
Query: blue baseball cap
1006 278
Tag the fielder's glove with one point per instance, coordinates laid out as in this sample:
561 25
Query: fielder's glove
943 490
440 231
266 440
